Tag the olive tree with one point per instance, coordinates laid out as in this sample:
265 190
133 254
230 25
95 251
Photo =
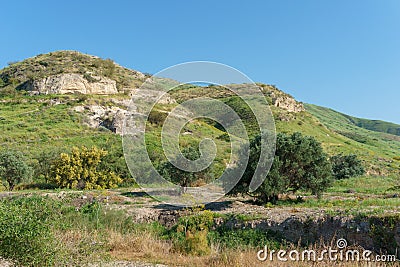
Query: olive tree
299 164
13 168
182 177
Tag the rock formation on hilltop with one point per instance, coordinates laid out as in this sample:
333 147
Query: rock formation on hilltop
71 83
65 72
282 100
287 103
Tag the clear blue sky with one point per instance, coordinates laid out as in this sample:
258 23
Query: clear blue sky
342 54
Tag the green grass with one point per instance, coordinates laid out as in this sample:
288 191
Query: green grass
34 126
374 125
358 195
380 151
367 185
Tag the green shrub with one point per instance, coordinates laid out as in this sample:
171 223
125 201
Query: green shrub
9 91
29 226
89 78
25 235
157 117
346 166
355 136
194 235
115 159
182 177
13 168
245 238
224 137
82 98
108 67
43 163
2 83
190 234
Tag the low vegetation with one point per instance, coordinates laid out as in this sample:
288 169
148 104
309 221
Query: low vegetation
63 230
41 231
378 150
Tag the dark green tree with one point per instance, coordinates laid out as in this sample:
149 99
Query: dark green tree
13 168
300 164
182 177
346 166
41 167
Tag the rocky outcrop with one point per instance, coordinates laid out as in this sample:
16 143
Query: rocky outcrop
72 83
280 99
111 118
287 103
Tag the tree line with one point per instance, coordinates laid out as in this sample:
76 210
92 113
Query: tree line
300 163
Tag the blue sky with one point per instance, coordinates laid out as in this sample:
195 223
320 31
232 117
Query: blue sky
340 54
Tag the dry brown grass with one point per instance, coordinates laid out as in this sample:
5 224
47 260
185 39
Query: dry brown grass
137 245
80 246
145 247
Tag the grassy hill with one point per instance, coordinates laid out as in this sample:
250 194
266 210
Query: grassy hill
45 65
372 125
42 123
382 149
375 125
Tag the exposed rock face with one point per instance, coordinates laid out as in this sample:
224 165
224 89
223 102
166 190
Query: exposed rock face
287 103
111 118
282 100
72 83
114 117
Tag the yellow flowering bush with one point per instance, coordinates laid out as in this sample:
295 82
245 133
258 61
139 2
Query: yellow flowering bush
80 170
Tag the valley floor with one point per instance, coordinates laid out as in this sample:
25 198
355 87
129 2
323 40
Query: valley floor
365 211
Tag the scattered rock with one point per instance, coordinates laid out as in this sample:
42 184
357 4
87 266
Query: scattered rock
5 263
169 217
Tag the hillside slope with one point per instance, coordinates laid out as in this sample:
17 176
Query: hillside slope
383 148
375 125
37 124
372 125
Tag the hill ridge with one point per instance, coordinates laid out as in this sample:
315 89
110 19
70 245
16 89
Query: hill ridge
368 124
92 119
